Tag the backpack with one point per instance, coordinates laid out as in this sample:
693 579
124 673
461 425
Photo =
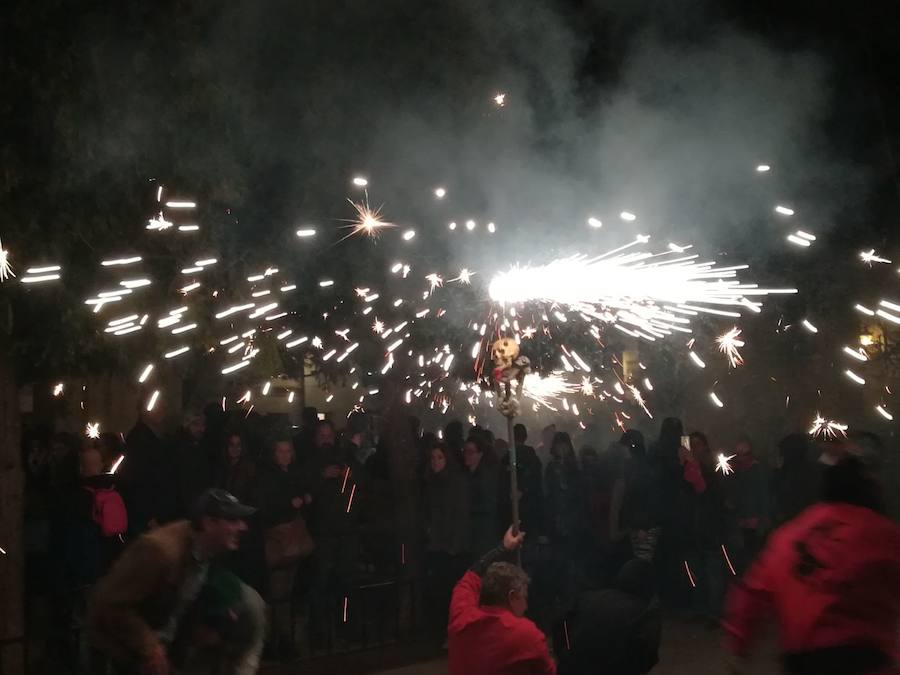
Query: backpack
109 511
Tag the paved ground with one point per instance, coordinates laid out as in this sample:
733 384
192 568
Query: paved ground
687 649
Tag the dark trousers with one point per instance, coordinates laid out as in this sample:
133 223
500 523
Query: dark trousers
444 570
836 661
336 560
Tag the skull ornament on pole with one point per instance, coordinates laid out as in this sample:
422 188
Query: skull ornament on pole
510 368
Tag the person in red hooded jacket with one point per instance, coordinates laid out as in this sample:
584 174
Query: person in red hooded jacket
832 577
487 633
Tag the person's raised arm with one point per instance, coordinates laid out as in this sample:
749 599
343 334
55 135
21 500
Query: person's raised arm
468 589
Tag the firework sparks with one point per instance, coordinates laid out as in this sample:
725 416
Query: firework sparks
121 261
827 429
716 400
465 276
723 463
58 390
154 397
870 257
728 561
808 326
545 390
853 376
729 343
881 410
368 221
642 296
587 387
697 360
858 354
116 465
92 430
639 399
160 223
595 222
440 193
689 575
500 99
434 280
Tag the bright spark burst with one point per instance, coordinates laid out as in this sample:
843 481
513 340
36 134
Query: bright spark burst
500 100
548 389
465 276
434 280
723 463
368 221
639 399
870 257
159 223
6 269
378 326
58 390
92 430
729 343
587 387
637 292
827 429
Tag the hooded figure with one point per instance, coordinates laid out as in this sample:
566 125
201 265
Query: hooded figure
616 631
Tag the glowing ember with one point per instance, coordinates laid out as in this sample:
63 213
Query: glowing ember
723 463
368 221
870 257
728 344
827 429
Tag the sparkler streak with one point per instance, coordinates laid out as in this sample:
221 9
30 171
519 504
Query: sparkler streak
631 287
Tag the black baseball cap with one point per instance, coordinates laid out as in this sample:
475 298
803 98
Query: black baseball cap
216 503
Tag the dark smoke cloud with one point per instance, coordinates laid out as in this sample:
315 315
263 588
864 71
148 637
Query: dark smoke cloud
661 108
675 136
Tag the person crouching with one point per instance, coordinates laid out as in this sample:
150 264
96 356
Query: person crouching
163 606
487 633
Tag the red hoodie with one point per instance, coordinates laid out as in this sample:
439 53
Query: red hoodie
492 640
832 576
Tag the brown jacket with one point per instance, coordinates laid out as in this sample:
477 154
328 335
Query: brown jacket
138 595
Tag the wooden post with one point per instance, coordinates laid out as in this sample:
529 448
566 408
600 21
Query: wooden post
12 492
514 481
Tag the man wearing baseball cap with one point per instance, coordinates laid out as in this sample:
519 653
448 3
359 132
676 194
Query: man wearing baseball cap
151 613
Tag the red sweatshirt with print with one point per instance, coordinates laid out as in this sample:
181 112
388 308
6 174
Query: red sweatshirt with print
832 578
